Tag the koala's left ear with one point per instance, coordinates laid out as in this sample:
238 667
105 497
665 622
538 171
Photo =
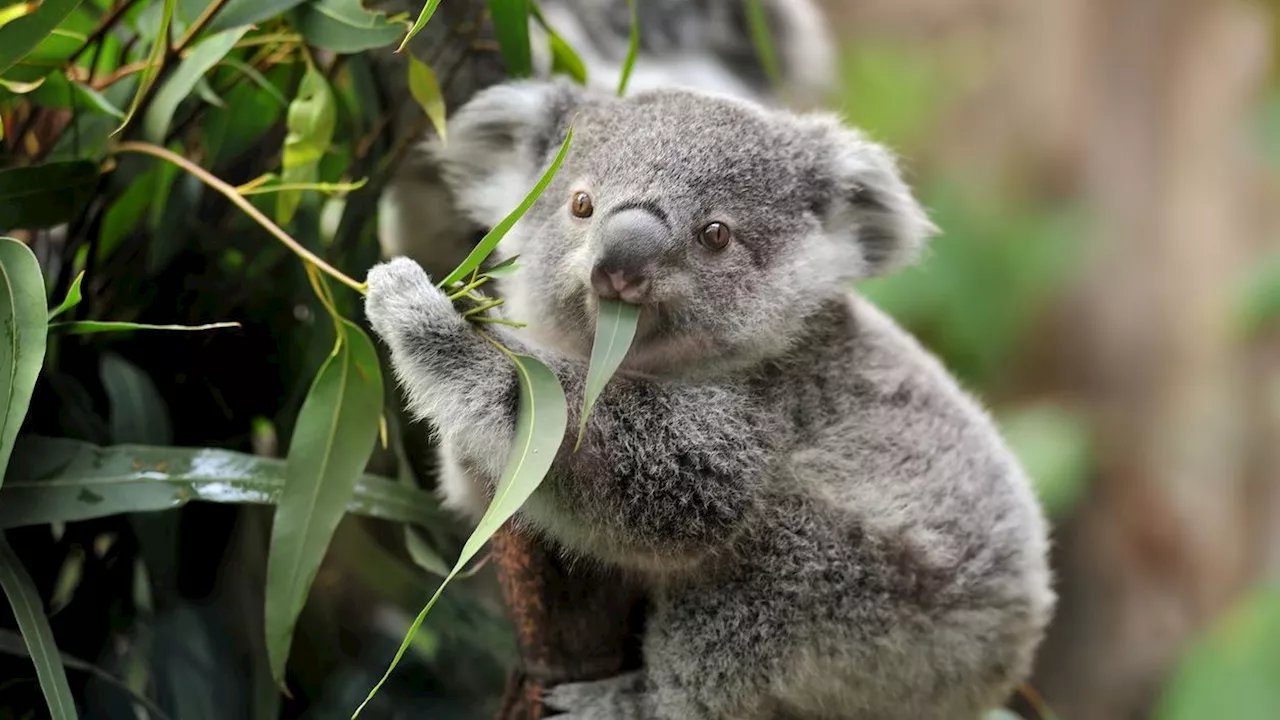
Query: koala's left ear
869 201
500 141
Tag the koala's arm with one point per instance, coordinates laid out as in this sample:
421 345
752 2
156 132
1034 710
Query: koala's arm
668 471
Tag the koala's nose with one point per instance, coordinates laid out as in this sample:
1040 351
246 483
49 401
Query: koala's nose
632 240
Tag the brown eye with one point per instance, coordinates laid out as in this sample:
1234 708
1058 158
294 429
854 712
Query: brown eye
716 236
581 205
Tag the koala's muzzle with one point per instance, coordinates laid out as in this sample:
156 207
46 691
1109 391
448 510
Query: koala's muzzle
630 241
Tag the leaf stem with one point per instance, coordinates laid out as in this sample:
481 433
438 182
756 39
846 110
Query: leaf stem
482 308
466 289
198 24
108 21
236 199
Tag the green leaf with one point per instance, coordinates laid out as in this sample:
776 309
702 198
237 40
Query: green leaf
137 413
12 12
540 423
154 61
511 25
426 90
1054 447
1259 299
506 268
63 480
248 12
183 80
88 327
21 35
23 316
28 610
312 117
344 26
762 38
494 236
427 11
633 49
71 300
334 436
615 330
564 59
58 91
44 195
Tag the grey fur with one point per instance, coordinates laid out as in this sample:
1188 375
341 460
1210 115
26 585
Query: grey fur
829 527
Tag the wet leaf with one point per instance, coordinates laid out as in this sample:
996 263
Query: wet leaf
20 35
154 60
28 610
183 80
88 327
540 424
24 317
494 236
40 196
344 26
62 480
428 10
511 25
332 441
426 90
615 330
312 118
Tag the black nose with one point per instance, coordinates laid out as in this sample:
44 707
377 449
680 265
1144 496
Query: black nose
631 242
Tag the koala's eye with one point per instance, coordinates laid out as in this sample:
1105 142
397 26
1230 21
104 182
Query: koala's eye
581 205
715 236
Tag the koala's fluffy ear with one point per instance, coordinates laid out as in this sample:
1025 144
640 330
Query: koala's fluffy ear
870 203
499 143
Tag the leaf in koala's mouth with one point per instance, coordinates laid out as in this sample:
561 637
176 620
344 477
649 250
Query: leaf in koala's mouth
616 324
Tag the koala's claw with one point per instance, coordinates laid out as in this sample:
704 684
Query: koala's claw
615 698
401 296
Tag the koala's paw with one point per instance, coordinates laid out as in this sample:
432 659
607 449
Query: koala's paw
402 298
615 698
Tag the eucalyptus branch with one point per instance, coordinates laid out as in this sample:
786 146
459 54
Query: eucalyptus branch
198 24
236 199
104 26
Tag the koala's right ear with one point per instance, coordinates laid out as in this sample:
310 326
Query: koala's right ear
500 141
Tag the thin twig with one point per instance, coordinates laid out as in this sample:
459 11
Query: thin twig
230 193
108 21
199 24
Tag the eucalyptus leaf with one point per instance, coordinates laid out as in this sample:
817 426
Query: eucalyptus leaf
183 80
313 114
616 323
332 441
564 59
344 26
28 610
138 415
71 300
89 327
762 39
39 196
58 91
20 35
633 49
24 316
506 268
511 25
428 10
540 424
154 61
248 12
426 90
12 12
63 480
494 236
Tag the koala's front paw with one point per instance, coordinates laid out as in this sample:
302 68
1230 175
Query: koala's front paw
615 698
401 299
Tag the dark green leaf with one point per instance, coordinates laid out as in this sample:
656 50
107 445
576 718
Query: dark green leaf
24 317
426 90
249 12
12 12
511 25
183 80
60 92
138 415
71 300
154 61
28 610
633 49
88 327
334 436
21 35
312 117
540 424
616 323
61 480
494 236
44 195
427 11
343 26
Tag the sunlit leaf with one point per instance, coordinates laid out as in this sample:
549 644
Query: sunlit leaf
564 59
44 195
62 480
426 90
332 441
71 300
511 25
494 236
427 11
344 26
633 49
20 35
28 610
154 61
312 117
184 79
616 324
20 88
540 424
88 327
24 317
12 12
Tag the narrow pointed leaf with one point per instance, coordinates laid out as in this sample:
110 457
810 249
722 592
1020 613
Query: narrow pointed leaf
564 59
63 480
183 80
506 268
494 236
511 25
633 49
312 117
23 316
762 38
71 300
13 12
88 327
154 61
248 12
428 10
61 92
540 424
426 90
334 436
28 610
20 35
615 330
40 196
345 26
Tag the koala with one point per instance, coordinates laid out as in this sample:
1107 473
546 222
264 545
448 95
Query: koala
826 525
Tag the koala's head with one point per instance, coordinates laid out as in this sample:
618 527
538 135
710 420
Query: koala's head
728 223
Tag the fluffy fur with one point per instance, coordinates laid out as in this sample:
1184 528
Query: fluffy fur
828 526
